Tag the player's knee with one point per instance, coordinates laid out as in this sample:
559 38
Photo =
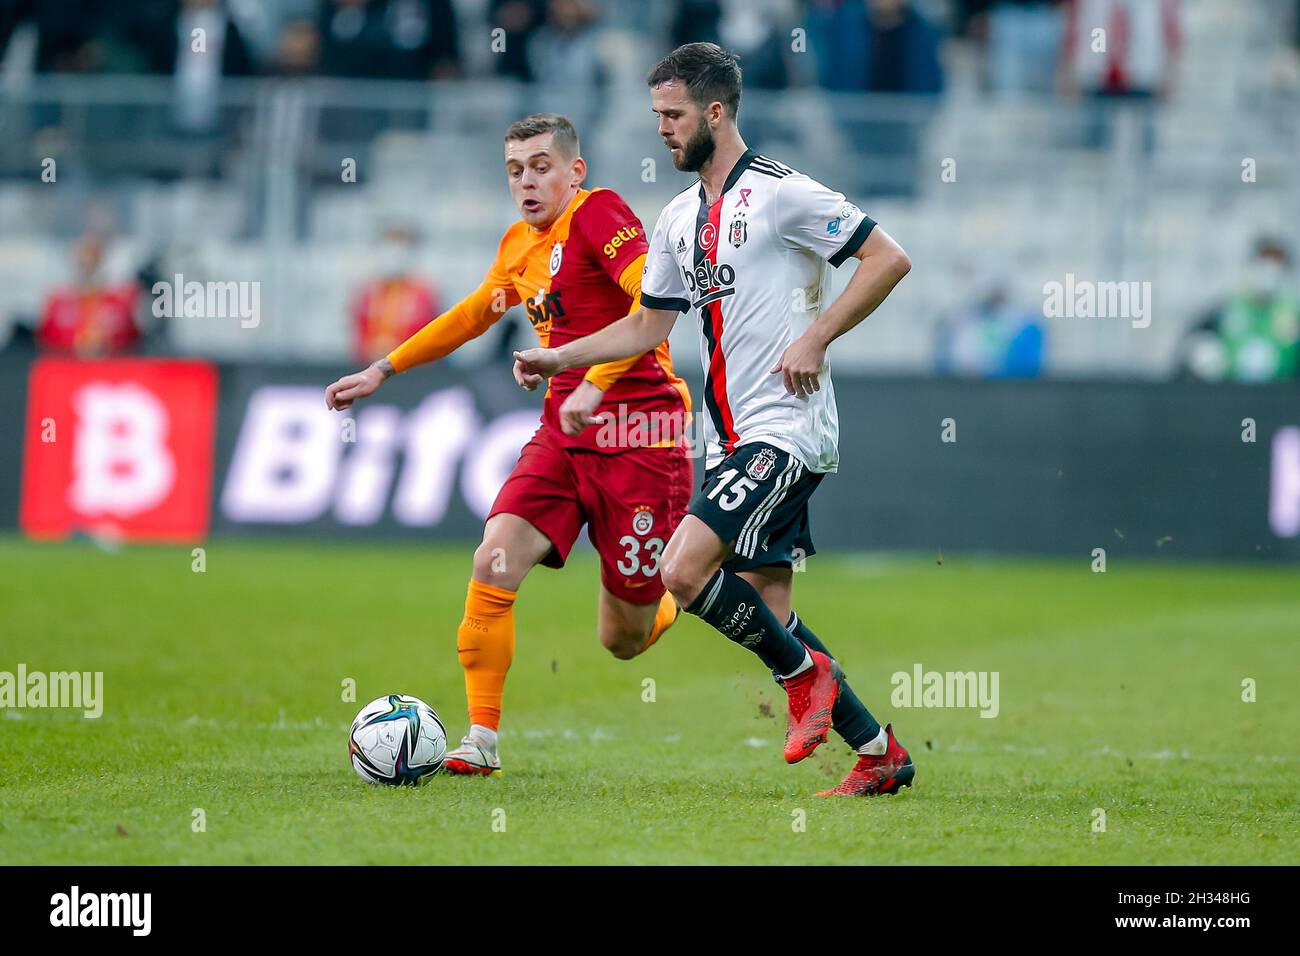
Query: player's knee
492 565
682 580
624 645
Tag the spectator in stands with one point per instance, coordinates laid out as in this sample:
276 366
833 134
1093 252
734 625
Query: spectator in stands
1254 334
390 309
182 36
352 41
426 39
205 45
519 20
881 46
752 29
389 39
299 48
696 21
90 317
69 33
566 57
757 31
990 338
1126 67
1139 47
1022 41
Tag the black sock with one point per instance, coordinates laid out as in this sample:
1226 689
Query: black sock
734 607
849 716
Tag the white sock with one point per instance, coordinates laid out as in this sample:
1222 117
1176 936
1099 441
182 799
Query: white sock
487 736
807 663
877 746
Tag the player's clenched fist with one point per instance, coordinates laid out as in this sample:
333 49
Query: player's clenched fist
349 388
533 366
579 409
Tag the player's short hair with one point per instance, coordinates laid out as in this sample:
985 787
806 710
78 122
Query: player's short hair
711 74
563 135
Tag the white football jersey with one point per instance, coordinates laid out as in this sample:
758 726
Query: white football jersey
754 265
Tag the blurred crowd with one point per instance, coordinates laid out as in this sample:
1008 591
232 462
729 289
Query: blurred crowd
1248 335
97 313
569 50
1251 335
1018 48
885 46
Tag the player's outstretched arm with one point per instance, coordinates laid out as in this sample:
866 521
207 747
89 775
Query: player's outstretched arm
467 319
631 335
882 263
349 388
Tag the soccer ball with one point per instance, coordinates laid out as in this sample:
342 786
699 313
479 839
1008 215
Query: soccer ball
397 740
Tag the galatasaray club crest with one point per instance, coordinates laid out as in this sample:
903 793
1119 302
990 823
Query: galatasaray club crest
643 520
761 465
557 255
739 232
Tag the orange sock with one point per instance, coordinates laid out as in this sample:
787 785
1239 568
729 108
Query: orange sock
665 617
486 645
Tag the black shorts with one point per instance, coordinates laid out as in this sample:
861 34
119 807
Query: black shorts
757 499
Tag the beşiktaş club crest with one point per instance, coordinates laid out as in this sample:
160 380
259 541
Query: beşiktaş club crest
739 231
761 465
557 256
643 520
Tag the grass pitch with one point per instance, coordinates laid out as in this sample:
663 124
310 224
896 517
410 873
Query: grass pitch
1119 692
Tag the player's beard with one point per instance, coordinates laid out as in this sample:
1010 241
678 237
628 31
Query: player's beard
697 150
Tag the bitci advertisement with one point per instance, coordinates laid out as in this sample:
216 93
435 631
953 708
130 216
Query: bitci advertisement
172 450
121 449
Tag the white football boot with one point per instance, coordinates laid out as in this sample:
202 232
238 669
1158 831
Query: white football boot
477 753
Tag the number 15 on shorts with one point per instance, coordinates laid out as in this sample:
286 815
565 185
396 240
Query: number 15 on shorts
739 488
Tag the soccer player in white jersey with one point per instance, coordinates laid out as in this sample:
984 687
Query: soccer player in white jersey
748 248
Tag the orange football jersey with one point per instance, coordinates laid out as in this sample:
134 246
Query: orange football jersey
573 278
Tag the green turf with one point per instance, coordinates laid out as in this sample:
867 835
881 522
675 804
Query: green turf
1119 691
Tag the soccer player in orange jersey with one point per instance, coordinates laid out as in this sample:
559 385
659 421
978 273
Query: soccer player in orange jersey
575 259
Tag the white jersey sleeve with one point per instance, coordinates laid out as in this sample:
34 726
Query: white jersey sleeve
810 216
662 286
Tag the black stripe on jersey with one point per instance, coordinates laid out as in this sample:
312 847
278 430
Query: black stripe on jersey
854 242
713 297
764 165
666 304
706 323
779 165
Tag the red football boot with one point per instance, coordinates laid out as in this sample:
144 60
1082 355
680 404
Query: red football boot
812 695
872 775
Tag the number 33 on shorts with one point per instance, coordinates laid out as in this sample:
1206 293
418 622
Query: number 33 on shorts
640 556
